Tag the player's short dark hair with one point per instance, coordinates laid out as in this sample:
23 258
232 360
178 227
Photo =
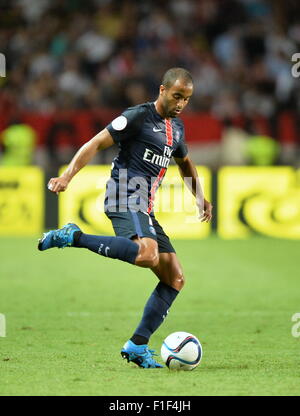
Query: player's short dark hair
173 74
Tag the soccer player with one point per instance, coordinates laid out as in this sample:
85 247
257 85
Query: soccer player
148 135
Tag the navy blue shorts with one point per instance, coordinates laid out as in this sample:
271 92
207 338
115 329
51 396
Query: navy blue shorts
130 224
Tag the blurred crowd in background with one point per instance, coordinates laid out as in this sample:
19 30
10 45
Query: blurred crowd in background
86 54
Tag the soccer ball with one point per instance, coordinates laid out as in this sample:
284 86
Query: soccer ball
181 351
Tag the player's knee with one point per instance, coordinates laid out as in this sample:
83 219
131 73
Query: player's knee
148 258
178 282
152 260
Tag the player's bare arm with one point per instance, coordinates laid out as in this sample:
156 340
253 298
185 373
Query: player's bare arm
187 169
85 154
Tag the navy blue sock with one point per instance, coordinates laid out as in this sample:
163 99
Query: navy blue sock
114 247
156 309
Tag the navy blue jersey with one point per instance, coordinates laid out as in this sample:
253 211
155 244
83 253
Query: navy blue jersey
146 144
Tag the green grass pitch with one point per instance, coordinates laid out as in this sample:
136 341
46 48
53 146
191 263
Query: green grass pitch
68 313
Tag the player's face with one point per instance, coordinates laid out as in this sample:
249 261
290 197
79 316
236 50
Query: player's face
175 98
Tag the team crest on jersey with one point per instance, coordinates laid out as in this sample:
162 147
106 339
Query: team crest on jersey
177 136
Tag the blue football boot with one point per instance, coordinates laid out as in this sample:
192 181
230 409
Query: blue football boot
63 237
140 355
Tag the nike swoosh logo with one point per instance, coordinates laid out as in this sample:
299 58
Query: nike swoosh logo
156 130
